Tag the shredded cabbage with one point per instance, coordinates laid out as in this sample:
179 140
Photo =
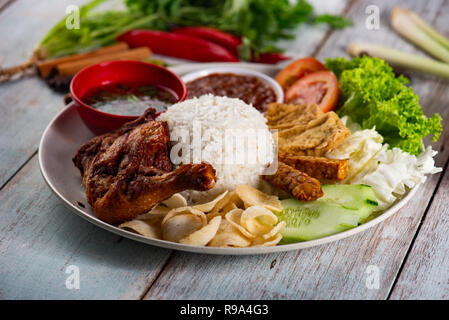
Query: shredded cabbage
390 172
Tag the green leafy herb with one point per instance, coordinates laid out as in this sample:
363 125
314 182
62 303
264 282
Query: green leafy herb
259 22
335 22
372 95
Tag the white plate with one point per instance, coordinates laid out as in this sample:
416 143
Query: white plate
67 132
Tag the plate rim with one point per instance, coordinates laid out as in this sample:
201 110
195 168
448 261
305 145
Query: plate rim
203 249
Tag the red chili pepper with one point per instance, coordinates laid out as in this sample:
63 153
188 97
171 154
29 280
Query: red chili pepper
270 58
224 39
177 45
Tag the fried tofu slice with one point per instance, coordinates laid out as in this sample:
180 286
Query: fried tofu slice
297 183
315 138
284 116
318 167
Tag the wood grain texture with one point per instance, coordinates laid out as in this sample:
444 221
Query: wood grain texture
337 270
425 274
4 3
310 37
26 105
40 238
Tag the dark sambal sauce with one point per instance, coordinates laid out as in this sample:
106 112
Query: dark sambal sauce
248 88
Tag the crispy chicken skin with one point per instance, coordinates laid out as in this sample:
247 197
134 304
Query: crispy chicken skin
318 167
128 171
127 198
297 183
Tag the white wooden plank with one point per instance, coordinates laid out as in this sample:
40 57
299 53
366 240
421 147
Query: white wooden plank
425 274
40 239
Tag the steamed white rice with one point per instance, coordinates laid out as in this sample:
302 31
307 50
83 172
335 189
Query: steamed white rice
215 115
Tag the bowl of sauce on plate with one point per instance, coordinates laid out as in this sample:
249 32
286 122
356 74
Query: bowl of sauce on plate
130 99
252 87
109 94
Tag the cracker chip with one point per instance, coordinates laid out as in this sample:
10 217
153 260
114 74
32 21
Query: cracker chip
229 202
185 210
175 201
258 220
228 198
161 209
204 235
180 226
261 242
229 237
208 206
157 211
181 222
226 224
253 197
148 228
275 230
230 206
234 217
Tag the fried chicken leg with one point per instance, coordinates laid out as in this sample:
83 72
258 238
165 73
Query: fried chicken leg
128 171
125 200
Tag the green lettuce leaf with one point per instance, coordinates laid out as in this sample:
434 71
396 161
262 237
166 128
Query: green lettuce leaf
372 95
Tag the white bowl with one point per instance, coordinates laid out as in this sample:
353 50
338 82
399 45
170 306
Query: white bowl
238 71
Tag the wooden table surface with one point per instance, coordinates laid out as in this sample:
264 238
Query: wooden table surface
40 238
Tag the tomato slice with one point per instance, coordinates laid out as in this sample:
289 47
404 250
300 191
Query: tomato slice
297 69
319 87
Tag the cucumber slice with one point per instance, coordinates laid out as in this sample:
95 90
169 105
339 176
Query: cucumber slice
358 197
308 220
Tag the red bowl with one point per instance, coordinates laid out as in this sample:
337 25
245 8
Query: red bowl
124 72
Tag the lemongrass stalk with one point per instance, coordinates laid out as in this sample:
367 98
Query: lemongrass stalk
429 30
400 58
413 28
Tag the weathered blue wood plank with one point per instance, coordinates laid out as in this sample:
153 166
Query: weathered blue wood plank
337 270
26 105
425 274
40 238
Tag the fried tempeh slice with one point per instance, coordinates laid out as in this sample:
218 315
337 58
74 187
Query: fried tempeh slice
315 138
318 167
297 183
283 116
